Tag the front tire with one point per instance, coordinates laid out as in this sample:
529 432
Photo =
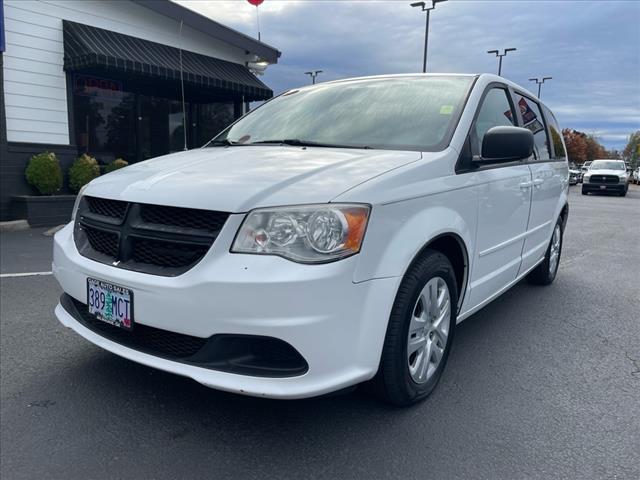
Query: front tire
420 331
545 273
584 191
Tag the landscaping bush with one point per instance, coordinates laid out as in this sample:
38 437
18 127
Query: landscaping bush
115 165
44 173
83 170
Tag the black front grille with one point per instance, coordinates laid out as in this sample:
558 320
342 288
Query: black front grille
103 242
146 238
170 254
106 207
604 179
183 217
144 338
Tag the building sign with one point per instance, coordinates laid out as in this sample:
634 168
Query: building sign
96 87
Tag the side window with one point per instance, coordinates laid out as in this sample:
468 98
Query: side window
533 120
559 152
495 112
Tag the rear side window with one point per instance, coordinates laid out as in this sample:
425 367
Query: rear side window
495 111
559 152
533 120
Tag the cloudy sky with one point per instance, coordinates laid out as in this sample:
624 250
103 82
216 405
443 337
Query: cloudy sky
590 48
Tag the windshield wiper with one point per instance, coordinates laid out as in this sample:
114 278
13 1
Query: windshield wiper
226 142
304 143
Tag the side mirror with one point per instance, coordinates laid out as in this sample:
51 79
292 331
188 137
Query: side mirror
506 144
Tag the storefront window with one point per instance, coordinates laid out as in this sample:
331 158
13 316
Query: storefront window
113 120
212 119
104 117
161 126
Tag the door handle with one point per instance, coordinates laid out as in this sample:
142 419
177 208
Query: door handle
537 182
525 185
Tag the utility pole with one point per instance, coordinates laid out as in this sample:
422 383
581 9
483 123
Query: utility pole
313 74
424 8
540 82
500 55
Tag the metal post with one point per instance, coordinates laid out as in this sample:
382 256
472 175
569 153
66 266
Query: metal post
500 55
313 74
258 22
423 7
426 44
540 82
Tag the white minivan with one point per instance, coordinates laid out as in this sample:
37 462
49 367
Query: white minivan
333 236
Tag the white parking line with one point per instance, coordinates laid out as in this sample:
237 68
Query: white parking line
25 274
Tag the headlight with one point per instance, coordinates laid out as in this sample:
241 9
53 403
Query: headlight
586 177
77 202
306 234
623 179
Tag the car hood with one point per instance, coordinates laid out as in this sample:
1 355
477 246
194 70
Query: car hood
237 179
604 171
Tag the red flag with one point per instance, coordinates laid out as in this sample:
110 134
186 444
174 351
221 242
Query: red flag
255 2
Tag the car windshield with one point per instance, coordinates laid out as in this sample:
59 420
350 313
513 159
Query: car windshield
606 165
398 113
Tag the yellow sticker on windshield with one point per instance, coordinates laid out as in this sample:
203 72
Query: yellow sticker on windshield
446 109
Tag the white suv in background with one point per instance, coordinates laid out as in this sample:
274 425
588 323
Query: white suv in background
606 176
335 235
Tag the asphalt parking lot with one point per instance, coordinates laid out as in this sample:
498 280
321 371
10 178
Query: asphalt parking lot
542 383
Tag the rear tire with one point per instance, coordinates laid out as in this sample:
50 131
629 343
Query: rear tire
420 331
545 273
584 191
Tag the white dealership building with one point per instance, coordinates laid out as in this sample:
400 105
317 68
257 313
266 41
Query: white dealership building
103 77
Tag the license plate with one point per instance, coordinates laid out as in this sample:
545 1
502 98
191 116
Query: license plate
603 187
110 303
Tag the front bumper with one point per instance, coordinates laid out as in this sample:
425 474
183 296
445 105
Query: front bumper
604 187
336 325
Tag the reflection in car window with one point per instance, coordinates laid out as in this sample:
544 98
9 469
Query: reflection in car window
532 119
495 112
556 135
413 113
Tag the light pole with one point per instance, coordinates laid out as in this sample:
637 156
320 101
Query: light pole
313 74
423 6
500 55
540 82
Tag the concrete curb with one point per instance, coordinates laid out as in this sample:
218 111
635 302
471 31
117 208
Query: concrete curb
52 231
14 226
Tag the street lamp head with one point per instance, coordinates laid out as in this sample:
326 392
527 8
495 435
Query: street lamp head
533 79
418 4
547 78
510 49
493 51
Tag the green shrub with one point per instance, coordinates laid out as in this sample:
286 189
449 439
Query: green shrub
115 165
44 173
83 170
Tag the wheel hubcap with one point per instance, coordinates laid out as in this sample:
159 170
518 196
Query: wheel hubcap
554 252
429 330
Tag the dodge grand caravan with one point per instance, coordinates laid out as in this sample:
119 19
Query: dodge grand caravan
333 236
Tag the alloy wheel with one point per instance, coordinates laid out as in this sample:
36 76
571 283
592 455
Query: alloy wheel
429 330
554 253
